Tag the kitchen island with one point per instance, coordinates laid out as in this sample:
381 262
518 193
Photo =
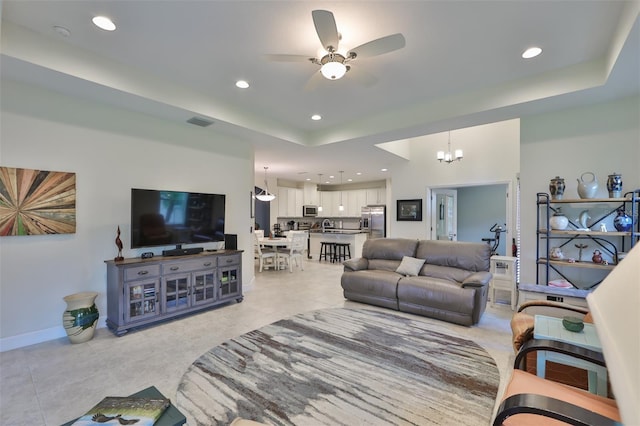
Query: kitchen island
354 237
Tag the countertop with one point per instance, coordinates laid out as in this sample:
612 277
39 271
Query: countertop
337 231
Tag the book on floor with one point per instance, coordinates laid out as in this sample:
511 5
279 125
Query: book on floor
116 410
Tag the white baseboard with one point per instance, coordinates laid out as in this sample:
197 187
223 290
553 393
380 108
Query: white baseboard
34 337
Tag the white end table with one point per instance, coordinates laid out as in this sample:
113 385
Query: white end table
503 269
551 328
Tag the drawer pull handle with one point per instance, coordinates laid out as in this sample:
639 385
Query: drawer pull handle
174 268
207 264
145 272
229 260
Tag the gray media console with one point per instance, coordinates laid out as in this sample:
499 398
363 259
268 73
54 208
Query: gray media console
144 291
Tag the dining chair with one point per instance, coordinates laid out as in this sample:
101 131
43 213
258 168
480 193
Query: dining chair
296 250
262 254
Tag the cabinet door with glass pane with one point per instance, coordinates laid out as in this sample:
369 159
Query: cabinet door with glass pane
177 289
203 287
142 299
229 282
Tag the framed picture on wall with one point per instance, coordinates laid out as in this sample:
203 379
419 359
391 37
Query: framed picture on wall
252 204
410 210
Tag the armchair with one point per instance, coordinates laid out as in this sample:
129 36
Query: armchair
522 324
529 399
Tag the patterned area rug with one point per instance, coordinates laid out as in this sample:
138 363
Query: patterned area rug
342 367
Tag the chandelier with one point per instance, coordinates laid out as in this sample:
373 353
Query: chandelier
265 195
447 157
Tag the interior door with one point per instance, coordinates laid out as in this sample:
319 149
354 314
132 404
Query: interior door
444 218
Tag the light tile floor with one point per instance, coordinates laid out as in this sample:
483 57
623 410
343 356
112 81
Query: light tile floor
53 382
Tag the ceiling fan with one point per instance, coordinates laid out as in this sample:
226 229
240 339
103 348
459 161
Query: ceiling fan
334 65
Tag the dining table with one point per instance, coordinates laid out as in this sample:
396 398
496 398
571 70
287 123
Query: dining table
275 243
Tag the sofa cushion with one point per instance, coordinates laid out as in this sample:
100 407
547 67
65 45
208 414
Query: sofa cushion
463 255
444 272
377 287
410 266
389 248
438 293
384 265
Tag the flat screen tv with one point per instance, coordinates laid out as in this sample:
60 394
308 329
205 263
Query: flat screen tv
162 218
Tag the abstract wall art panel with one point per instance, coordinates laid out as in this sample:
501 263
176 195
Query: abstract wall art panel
36 202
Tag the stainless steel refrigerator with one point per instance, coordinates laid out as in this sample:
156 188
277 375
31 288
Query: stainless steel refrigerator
374 221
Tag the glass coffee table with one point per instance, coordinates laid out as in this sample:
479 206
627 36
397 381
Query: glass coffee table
551 328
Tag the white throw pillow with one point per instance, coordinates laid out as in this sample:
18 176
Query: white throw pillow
410 266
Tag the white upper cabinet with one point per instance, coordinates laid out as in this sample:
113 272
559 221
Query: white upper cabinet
290 201
376 196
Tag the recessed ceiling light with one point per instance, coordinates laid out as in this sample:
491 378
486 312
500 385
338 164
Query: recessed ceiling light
358 173
349 180
241 84
383 170
64 32
316 117
308 179
531 52
104 23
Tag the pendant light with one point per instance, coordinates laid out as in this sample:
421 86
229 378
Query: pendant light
319 193
265 195
447 157
341 206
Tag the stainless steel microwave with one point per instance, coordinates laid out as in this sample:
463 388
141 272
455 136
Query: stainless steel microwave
309 211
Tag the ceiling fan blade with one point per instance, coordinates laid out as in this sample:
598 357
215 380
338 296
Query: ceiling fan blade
313 81
287 58
326 28
379 46
361 77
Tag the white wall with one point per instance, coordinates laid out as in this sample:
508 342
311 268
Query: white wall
110 151
491 155
602 139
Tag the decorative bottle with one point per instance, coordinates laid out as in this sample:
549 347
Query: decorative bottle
614 185
556 188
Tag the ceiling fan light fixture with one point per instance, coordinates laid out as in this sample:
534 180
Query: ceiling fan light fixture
333 67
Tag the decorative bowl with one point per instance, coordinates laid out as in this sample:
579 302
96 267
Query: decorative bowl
573 324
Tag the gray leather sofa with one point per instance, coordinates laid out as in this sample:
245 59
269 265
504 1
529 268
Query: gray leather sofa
451 285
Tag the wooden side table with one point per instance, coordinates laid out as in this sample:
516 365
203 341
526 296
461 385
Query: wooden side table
551 328
171 416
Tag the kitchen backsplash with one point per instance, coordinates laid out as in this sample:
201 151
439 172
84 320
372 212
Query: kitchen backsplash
316 222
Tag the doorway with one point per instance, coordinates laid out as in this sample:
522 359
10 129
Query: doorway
466 213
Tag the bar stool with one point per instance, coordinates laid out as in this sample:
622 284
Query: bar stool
342 250
327 250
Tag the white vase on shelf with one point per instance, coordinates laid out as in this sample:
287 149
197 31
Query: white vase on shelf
558 221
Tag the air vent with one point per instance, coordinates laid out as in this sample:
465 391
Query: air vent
198 121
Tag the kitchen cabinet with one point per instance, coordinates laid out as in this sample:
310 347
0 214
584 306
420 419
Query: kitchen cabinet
357 199
376 196
568 253
144 291
290 202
